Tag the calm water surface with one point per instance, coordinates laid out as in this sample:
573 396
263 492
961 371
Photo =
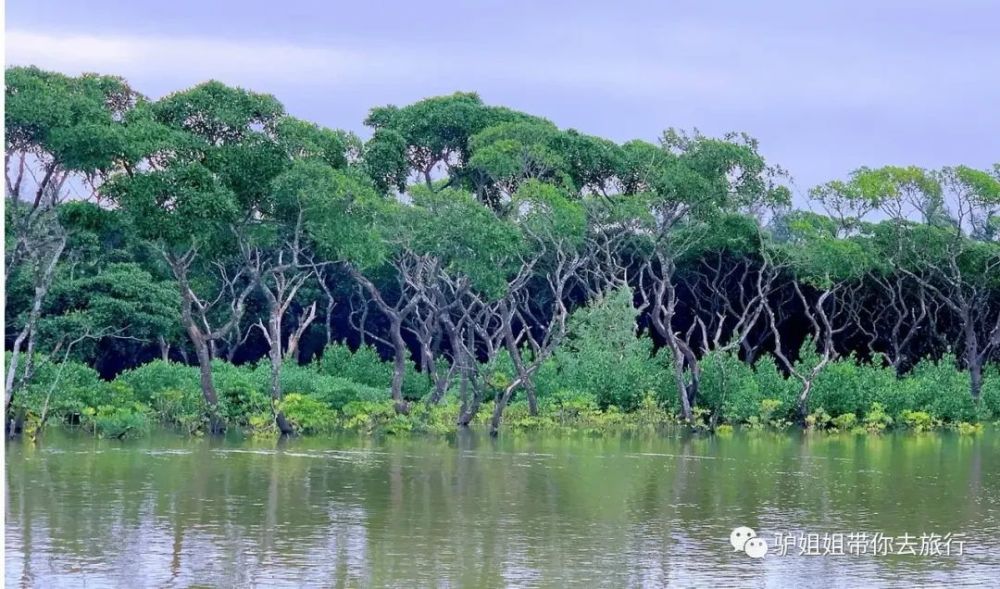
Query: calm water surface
466 511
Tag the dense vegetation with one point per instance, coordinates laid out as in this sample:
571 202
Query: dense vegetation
208 261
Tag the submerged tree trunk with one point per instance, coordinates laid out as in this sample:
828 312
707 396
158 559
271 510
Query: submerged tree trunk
274 355
215 423
498 408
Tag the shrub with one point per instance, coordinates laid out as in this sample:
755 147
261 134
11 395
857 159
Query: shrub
243 392
849 386
736 390
367 416
818 419
939 389
156 376
989 402
602 355
876 419
66 387
117 422
845 422
919 421
306 414
364 366
171 390
969 429
769 414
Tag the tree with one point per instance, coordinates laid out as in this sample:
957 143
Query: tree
280 251
192 199
825 275
428 138
940 255
64 136
691 180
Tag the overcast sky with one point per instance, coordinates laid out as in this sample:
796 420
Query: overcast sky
825 86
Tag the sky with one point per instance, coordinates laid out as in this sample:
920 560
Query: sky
825 86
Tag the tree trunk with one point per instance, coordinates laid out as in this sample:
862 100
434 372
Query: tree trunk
803 403
164 348
975 379
972 357
274 354
682 392
522 372
470 411
399 366
215 424
308 316
501 404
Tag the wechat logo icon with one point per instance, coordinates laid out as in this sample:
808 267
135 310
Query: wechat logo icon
744 539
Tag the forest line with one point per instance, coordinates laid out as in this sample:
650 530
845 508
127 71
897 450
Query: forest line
492 258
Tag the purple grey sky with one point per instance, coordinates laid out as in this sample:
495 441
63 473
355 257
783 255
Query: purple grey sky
825 86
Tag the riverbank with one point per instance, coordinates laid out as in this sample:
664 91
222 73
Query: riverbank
377 419
348 390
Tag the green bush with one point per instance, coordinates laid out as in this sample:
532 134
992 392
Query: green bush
334 391
877 419
243 392
367 416
969 429
849 386
364 366
156 376
171 390
845 422
756 395
989 402
603 356
939 389
306 414
117 422
819 419
67 387
919 421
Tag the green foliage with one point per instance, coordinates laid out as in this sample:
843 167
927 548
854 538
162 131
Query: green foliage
117 422
919 421
818 420
465 237
368 416
758 396
876 419
604 357
849 386
171 390
969 429
62 390
307 415
334 391
845 422
364 366
938 388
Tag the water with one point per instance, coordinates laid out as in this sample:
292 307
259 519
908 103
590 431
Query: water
465 511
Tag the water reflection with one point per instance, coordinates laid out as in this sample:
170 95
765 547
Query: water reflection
467 511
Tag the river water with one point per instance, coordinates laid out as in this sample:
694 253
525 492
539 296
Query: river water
522 511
